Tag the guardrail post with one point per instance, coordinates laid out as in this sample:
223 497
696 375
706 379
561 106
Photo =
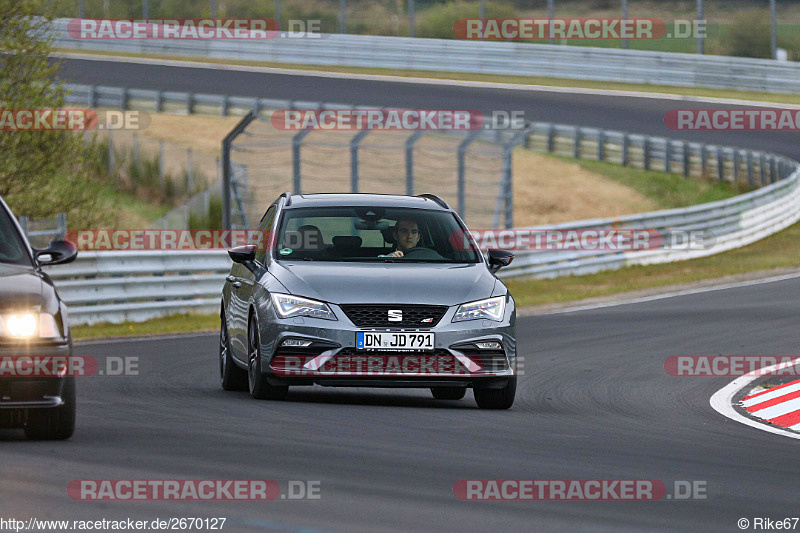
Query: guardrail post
159 101
92 97
646 153
136 149
720 166
750 180
189 171
110 152
686 159
762 163
735 165
551 137
123 99
161 161
297 142
189 103
225 103
667 156
626 142
576 145
601 139
462 171
226 167
410 142
703 160
354 142
772 170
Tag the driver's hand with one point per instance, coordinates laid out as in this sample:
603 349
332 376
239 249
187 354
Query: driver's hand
398 253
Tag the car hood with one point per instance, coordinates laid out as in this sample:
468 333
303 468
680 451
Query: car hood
20 287
346 283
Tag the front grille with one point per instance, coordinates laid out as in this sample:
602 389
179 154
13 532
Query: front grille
377 316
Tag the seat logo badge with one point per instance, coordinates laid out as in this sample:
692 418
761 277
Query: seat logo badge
395 315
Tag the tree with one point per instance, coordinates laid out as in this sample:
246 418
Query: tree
41 172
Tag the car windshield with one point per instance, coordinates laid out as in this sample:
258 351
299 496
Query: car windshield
12 247
373 234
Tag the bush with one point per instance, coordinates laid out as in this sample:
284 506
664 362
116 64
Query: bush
437 22
748 35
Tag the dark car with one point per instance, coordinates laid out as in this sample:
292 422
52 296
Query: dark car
367 290
33 327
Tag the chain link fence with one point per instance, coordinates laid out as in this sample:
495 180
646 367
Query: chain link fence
463 168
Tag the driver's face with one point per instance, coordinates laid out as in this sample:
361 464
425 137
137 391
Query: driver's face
406 235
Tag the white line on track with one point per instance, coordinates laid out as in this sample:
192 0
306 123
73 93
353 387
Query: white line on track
417 81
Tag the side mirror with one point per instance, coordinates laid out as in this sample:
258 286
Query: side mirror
499 259
57 253
245 255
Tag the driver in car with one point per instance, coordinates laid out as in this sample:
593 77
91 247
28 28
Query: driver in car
406 235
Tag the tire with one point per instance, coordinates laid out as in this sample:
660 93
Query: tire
497 398
57 423
231 377
448 393
260 389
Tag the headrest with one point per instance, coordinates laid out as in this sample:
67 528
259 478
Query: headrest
388 234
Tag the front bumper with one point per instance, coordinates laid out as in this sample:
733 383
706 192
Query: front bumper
333 359
32 392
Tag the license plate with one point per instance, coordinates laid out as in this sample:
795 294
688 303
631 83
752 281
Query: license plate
370 340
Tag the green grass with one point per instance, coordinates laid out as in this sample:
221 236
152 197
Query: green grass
669 190
460 76
158 326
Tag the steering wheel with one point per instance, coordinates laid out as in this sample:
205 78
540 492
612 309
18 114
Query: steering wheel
416 250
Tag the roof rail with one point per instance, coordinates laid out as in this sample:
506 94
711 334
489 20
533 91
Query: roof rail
288 196
435 199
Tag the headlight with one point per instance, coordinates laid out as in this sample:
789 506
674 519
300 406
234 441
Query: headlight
288 306
490 308
27 325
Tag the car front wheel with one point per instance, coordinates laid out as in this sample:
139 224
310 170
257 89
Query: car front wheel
497 398
260 389
231 377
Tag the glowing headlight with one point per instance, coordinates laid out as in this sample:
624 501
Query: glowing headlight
20 325
26 325
491 308
288 306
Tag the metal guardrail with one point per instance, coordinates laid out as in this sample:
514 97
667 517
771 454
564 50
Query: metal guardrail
124 286
141 285
132 286
735 222
518 59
